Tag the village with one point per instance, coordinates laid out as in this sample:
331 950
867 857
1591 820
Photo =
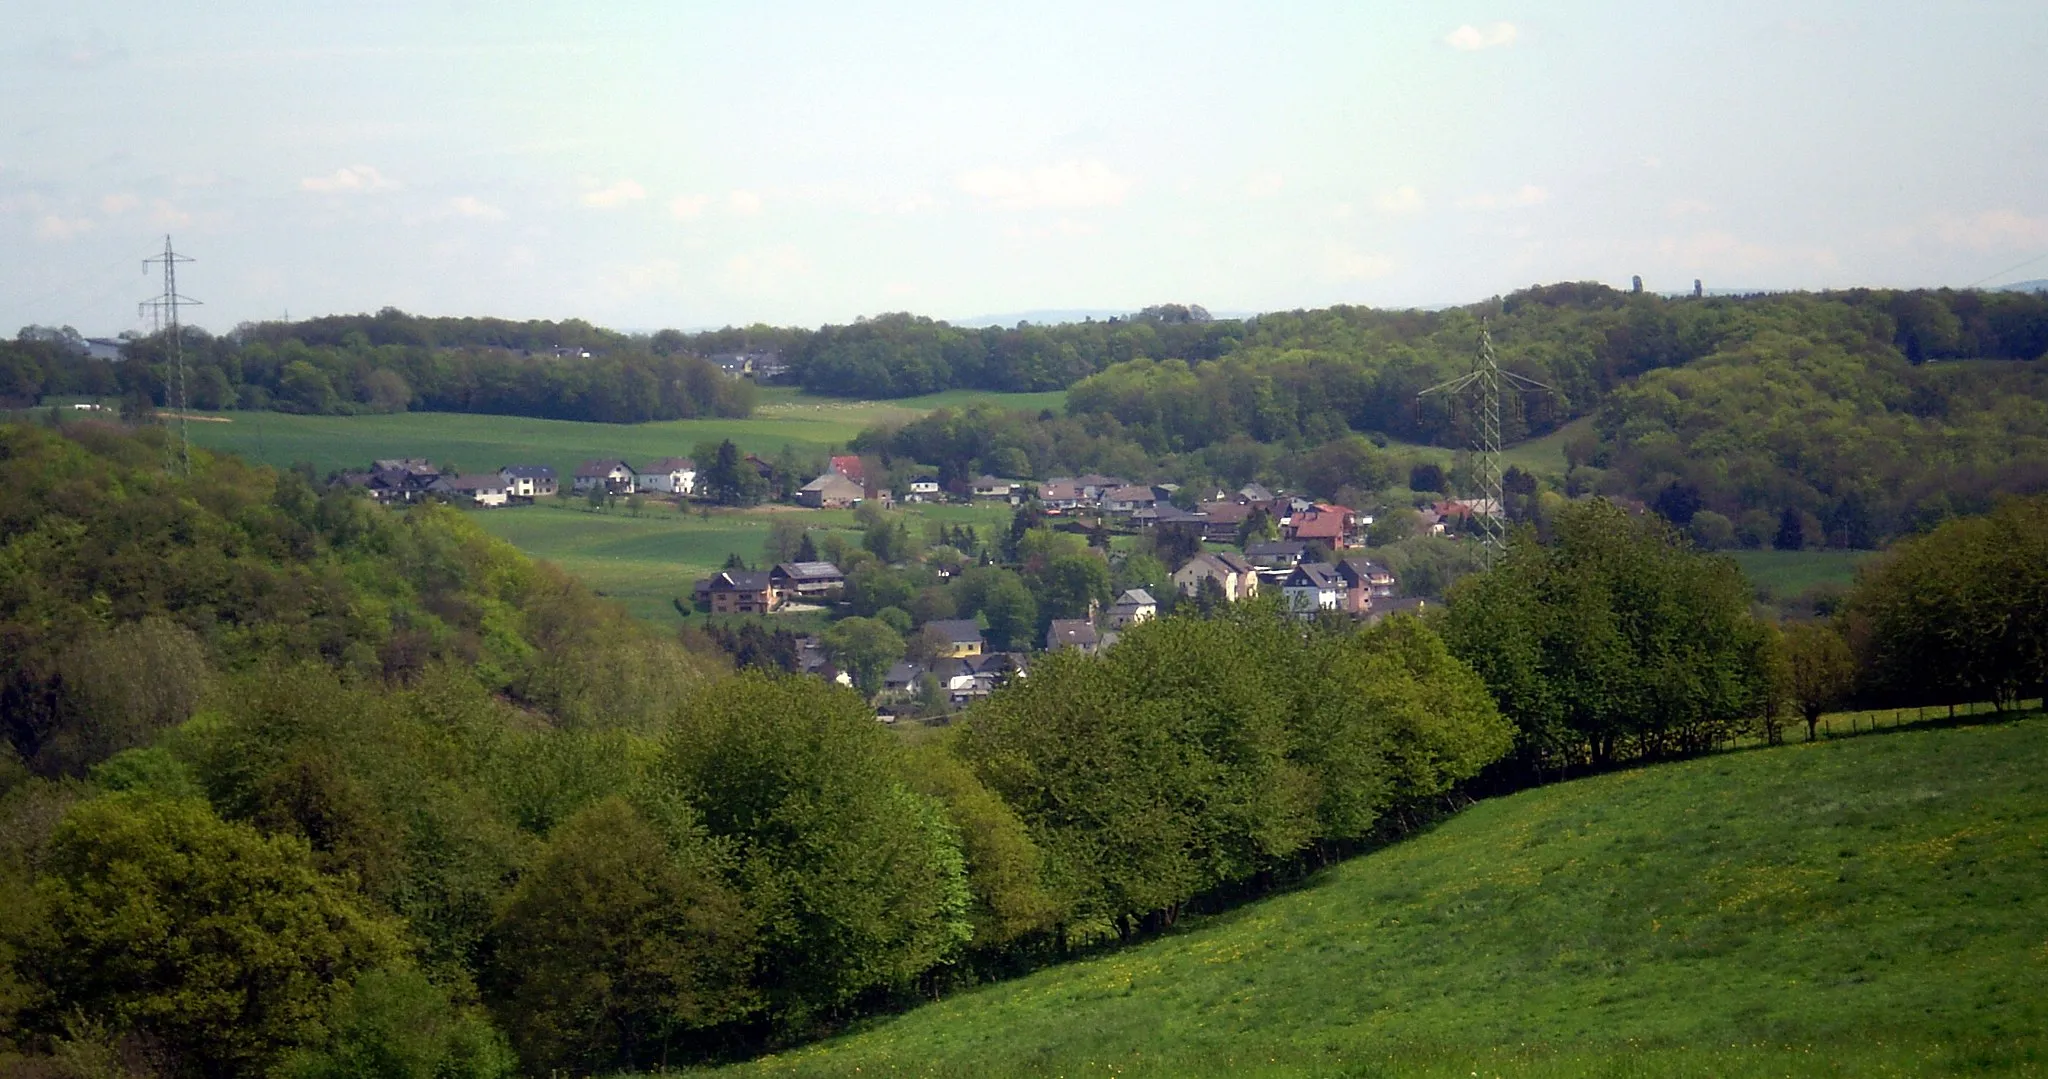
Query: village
1226 548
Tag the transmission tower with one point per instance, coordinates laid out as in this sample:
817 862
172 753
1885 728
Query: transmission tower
164 308
1491 391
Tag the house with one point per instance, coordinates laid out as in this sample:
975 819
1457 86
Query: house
1276 554
1167 515
1076 633
812 660
1223 519
1094 486
487 489
831 491
1334 527
669 476
973 677
808 580
1129 499
1364 582
737 591
418 466
1313 586
850 466
991 487
396 486
610 476
902 679
1252 493
963 636
1060 493
923 489
528 481
761 468
1236 576
1134 606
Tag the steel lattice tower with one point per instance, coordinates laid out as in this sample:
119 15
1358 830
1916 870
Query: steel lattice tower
165 308
1491 391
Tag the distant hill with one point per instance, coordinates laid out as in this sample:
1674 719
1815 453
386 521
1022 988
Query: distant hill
1872 906
2038 284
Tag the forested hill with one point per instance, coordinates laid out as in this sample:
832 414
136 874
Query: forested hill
125 592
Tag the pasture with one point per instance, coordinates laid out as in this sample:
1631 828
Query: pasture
811 425
1865 906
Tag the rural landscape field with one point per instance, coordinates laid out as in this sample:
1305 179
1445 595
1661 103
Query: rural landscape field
1306 541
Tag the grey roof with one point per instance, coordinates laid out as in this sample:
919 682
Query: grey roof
959 630
739 580
489 480
834 480
1256 492
600 469
528 472
1314 575
808 571
903 673
1070 631
670 464
1136 596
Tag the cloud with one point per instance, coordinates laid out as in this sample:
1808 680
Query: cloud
58 227
688 207
1524 196
353 179
1264 185
743 202
1470 38
1687 208
1401 200
163 215
471 206
618 194
112 205
764 270
1993 230
1356 265
1070 185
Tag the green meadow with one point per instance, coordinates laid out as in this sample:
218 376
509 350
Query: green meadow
1785 574
647 561
1864 906
482 443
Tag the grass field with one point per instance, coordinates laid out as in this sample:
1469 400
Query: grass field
1785 574
473 442
1869 906
646 562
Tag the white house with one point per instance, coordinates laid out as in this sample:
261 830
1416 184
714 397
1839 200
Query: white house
924 489
1134 606
615 477
528 481
1313 586
487 489
669 476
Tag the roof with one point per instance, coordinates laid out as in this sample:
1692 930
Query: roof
903 673
1132 493
1314 575
1275 549
834 483
1137 597
590 470
528 472
1059 491
1073 631
1226 512
1318 525
849 465
488 481
808 571
991 481
1232 561
1167 513
739 580
957 630
670 464
1256 493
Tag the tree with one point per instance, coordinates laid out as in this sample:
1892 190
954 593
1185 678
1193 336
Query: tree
619 941
1618 641
787 538
1820 670
394 1022
865 648
729 479
223 944
857 879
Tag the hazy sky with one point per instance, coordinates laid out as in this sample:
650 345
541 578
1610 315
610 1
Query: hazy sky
686 164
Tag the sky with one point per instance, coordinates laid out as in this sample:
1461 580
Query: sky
694 165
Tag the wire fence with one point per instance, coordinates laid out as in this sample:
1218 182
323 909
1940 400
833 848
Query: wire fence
1850 724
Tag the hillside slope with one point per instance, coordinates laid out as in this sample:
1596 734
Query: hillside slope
1871 906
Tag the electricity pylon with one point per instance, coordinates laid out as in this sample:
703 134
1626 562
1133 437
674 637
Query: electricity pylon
165 308
1492 390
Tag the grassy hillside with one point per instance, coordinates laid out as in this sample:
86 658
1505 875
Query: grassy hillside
785 417
1868 906
1784 574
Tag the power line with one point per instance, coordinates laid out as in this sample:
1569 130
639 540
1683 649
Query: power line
165 308
1491 389
2007 270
